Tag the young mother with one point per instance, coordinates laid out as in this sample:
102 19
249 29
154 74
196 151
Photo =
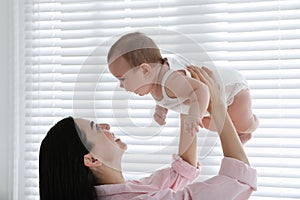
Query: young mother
82 160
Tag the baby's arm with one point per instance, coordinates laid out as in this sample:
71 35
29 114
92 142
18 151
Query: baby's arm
179 86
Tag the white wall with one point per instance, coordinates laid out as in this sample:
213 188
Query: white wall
5 101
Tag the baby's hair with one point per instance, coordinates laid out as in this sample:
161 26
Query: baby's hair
136 48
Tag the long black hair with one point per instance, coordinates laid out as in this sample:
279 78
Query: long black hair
62 172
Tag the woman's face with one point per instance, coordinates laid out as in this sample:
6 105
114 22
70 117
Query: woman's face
106 146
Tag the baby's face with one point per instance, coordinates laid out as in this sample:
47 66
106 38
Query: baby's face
132 79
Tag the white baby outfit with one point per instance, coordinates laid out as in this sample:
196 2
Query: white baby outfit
230 80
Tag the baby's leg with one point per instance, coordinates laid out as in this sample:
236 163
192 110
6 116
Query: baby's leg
240 112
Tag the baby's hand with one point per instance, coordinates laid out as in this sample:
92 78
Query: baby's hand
191 124
160 115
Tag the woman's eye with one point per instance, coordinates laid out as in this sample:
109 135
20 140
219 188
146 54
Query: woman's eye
98 127
121 79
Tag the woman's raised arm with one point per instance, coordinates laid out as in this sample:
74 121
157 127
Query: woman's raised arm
231 144
187 145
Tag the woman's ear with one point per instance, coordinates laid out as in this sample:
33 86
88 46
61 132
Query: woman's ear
146 69
90 161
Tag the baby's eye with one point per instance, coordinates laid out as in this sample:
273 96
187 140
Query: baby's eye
121 79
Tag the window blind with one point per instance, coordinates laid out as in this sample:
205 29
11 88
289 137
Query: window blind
63 71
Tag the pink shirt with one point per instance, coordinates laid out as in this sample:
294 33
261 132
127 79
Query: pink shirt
235 181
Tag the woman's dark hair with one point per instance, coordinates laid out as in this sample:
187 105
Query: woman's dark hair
62 173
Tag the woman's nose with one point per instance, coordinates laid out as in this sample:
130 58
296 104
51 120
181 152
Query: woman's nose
109 133
121 85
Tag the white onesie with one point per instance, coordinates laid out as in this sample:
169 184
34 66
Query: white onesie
231 80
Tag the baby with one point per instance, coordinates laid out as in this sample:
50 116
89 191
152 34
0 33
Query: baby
136 61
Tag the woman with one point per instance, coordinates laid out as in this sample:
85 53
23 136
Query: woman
87 165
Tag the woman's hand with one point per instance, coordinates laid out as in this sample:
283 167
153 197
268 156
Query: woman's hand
230 141
206 76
